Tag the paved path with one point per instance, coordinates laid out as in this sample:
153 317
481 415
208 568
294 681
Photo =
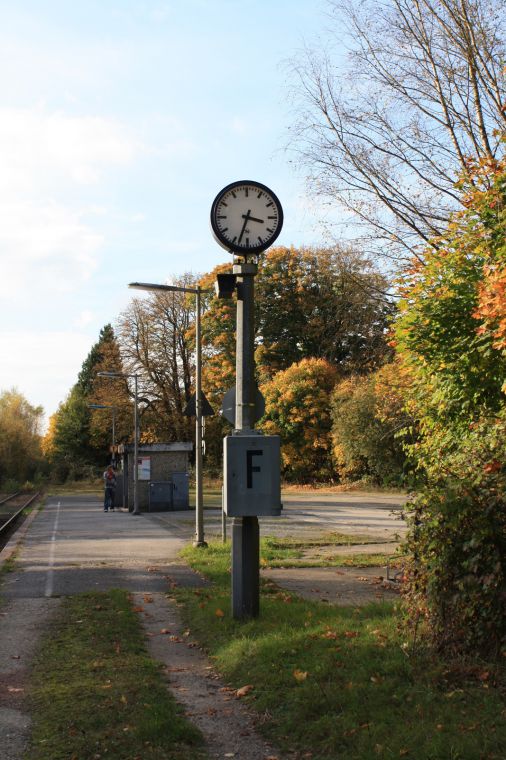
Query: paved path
72 546
306 514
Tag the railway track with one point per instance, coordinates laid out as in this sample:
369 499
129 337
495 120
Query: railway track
12 507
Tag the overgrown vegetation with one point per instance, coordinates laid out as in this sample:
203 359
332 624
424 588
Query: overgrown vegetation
342 682
96 693
20 453
450 339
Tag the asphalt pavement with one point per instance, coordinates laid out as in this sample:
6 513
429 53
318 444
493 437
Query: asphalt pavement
72 546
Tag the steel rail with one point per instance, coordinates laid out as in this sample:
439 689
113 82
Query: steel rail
10 522
10 496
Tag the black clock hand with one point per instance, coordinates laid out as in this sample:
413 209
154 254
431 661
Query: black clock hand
246 218
253 219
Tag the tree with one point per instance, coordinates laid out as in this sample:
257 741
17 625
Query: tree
155 344
386 137
78 436
370 427
449 339
321 303
86 376
113 394
297 407
70 449
20 453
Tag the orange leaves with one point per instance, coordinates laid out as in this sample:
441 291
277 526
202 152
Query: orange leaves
300 675
219 613
491 467
244 690
492 305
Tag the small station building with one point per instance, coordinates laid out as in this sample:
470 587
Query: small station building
162 480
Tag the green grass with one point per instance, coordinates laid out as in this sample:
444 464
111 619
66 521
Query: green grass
96 693
341 682
319 551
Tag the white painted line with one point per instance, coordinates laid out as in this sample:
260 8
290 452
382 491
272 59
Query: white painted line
50 569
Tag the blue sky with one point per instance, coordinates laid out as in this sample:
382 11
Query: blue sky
120 120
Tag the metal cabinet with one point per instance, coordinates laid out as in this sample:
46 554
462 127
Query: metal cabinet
173 494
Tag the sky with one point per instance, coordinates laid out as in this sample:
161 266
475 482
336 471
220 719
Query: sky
120 121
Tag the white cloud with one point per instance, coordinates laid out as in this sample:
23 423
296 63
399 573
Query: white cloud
45 244
42 365
38 148
85 318
44 247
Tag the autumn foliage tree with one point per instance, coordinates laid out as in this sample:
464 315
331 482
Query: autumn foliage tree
78 436
450 340
297 407
370 427
20 449
320 303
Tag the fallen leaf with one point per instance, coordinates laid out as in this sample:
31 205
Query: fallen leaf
138 609
219 613
14 690
123 699
164 630
300 675
148 599
244 690
351 634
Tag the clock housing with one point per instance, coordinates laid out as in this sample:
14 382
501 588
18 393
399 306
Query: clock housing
246 217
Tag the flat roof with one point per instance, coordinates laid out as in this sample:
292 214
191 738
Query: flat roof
148 448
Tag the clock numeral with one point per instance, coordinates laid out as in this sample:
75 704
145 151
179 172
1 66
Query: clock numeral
235 238
260 194
247 242
269 229
224 204
269 204
223 216
260 239
235 196
224 229
246 191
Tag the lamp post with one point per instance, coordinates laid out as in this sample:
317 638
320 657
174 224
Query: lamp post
108 406
136 510
199 502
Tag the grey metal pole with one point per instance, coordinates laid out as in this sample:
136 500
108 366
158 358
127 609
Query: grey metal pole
199 506
223 518
245 530
136 510
114 435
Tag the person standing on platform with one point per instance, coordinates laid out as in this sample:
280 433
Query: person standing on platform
110 488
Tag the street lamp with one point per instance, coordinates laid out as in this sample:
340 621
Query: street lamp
136 510
108 406
199 502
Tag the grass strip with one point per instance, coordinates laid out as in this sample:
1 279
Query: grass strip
95 693
290 552
332 682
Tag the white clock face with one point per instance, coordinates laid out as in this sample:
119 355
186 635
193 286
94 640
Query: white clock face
246 216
